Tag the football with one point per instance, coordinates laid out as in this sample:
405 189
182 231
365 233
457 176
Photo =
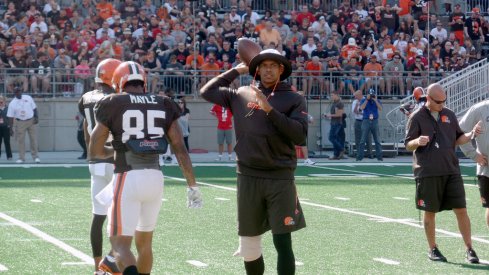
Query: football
247 49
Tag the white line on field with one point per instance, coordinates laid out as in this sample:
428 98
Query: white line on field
197 263
222 199
3 268
342 198
358 213
400 198
297 263
386 261
73 251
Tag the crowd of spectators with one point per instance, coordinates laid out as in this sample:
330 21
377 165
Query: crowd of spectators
371 44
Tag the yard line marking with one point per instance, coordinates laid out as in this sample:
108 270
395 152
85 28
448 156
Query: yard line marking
197 263
3 268
35 200
297 263
386 261
222 199
415 224
400 198
341 198
402 221
359 174
73 251
76 263
342 175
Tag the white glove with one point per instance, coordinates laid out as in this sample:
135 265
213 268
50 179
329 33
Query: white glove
194 197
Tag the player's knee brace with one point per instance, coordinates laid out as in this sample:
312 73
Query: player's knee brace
249 248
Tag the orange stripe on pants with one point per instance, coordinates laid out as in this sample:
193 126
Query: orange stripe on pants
116 207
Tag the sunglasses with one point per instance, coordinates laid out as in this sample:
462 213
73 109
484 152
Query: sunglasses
439 101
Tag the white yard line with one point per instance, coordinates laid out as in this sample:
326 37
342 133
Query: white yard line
386 261
3 268
73 251
407 222
197 263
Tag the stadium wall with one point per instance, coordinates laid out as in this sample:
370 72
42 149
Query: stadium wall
58 126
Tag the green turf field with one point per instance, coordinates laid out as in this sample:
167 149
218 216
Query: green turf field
360 220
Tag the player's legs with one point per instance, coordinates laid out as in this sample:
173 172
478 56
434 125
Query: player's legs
463 222
143 242
483 183
122 252
285 257
32 131
101 176
429 228
21 128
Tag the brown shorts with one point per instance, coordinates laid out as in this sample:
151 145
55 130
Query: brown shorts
265 204
435 194
483 182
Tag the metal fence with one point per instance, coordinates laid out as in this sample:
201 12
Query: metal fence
315 85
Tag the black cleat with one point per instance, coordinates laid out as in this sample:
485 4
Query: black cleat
436 256
471 256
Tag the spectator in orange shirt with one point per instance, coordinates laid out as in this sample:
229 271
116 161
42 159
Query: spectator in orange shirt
350 50
208 71
190 60
373 75
389 49
105 10
313 72
269 34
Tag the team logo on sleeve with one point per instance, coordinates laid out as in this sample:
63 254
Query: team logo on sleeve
421 203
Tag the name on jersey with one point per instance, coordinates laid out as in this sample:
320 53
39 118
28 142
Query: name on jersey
144 99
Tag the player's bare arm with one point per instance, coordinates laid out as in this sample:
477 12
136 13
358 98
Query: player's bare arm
477 130
86 135
97 148
175 138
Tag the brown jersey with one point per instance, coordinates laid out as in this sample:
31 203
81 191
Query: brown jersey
132 117
86 105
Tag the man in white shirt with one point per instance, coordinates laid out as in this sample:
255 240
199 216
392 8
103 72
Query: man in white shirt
38 23
439 32
105 27
22 114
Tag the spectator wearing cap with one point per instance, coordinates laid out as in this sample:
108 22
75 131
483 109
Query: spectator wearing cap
233 15
456 22
350 50
420 54
394 75
439 32
352 33
321 26
38 23
269 34
473 29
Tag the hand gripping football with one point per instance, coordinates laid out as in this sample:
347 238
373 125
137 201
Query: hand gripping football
247 49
